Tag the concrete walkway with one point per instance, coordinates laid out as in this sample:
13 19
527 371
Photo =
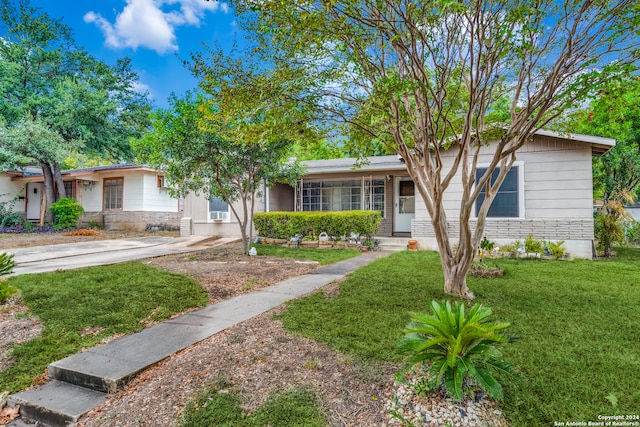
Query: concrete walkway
81 382
41 259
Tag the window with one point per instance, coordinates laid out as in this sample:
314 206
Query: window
70 188
506 204
113 191
218 209
343 195
161 183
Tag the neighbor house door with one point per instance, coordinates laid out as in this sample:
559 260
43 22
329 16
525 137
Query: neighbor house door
34 199
404 204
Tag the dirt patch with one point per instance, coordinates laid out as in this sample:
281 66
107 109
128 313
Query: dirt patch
225 272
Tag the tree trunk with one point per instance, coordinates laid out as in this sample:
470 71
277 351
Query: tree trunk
49 193
455 276
57 176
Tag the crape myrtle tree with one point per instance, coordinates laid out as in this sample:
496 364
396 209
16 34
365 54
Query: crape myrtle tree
56 99
422 79
231 140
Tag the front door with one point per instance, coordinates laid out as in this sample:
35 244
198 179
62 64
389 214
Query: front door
34 199
404 204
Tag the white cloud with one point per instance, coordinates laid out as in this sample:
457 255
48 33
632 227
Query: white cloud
148 23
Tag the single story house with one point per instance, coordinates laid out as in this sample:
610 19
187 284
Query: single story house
122 196
548 194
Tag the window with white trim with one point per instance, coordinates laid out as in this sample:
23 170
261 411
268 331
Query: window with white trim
506 203
218 209
342 195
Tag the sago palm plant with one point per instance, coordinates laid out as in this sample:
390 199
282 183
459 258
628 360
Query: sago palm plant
454 347
6 264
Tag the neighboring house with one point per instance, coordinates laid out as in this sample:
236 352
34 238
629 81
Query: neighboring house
120 196
548 194
634 211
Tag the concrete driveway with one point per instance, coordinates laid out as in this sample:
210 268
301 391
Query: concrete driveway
68 256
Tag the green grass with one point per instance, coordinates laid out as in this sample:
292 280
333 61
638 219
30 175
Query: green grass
219 405
115 299
577 322
323 256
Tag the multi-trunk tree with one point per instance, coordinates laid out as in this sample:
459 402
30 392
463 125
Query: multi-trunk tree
56 99
423 79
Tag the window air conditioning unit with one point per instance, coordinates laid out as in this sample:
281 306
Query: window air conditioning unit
219 216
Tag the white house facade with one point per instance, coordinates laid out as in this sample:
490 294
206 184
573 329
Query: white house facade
547 194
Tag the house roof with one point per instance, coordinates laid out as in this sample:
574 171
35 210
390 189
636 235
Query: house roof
85 173
599 146
370 164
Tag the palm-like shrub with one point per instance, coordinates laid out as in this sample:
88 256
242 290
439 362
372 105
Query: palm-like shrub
6 264
458 350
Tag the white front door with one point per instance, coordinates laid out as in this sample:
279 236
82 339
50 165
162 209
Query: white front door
34 199
404 204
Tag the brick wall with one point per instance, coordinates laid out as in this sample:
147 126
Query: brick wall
550 229
131 220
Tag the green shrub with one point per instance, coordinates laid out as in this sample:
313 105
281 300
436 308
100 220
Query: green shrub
533 246
284 225
6 264
12 220
66 213
6 291
608 226
556 249
457 348
632 232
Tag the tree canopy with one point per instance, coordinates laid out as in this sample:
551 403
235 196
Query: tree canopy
426 79
77 102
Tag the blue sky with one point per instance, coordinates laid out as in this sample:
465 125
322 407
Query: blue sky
156 34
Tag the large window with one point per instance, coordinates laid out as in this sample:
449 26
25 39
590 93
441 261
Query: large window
342 195
218 209
506 204
113 193
70 188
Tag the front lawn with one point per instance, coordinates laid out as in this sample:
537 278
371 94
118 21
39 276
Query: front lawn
322 256
80 308
579 347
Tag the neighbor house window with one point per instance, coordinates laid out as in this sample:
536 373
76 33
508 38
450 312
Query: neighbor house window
113 193
506 203
342 195
218 209
70 188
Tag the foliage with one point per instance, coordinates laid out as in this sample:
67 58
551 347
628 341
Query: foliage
284 225
486 245
556 249
533 246
68 302
632 232
12 220
322 256
483 269
614 113
56 99
457 347
6 291
571 358
6 263
608 228
6 211
438 82
66 213
201 161
220 406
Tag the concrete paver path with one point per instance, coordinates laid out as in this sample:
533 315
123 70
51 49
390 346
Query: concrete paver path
81 382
